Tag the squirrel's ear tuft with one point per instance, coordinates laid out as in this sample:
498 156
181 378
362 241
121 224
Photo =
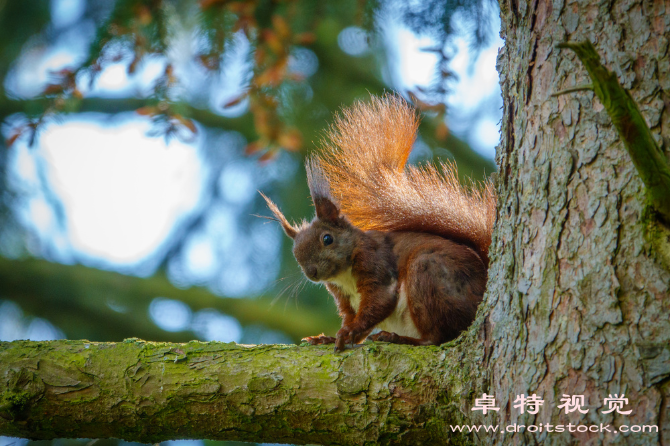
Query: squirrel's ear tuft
326 209
288 228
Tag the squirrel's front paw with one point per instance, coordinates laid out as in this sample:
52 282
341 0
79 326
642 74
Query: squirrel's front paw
346 335
319 339
385 336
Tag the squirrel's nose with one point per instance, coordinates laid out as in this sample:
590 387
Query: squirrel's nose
310 271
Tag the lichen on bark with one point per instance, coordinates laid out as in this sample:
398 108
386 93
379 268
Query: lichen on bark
150 392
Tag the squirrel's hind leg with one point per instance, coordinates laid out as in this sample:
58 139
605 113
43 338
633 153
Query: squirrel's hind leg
393 338
445 285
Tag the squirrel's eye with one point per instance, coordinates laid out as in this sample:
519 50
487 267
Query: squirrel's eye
327 239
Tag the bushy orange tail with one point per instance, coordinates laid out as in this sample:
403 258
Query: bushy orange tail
364 160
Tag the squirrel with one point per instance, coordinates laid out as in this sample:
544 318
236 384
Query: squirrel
404 249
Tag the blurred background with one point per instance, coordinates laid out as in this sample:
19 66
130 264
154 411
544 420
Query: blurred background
136 134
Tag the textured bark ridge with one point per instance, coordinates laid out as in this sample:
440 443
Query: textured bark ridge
149 392
649 159
578 299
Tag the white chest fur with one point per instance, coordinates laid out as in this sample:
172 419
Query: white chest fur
399 322
345 280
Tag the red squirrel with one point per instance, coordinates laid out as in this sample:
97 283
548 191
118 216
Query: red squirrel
401 248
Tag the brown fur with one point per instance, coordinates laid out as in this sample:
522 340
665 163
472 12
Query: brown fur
396 246
364 161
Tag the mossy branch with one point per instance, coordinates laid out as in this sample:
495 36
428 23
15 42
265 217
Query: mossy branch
648 158
107 306
150 392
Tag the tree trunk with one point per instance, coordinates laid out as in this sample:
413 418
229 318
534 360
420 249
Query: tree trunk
578 300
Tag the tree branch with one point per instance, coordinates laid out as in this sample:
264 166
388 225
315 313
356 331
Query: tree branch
243 124
648 158
81 302
150 392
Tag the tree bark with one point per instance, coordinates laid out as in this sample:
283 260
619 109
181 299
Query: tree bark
150 392
578 300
